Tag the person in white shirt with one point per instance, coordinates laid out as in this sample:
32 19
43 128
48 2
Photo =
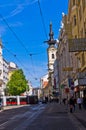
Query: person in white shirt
79 102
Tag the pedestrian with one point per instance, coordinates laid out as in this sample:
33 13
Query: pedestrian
64 101
79 102
84 102
71 104
74 103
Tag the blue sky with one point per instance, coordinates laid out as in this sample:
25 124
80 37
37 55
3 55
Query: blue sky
23 35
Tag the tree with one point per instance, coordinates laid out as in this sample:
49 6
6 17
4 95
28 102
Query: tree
17 83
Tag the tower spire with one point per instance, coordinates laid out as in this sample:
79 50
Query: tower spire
51 32
51 40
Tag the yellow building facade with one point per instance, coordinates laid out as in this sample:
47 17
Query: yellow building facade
77 20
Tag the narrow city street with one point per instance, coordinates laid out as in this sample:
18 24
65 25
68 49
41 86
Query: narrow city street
51 116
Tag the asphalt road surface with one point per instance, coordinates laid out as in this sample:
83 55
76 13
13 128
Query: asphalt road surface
38 117
19 118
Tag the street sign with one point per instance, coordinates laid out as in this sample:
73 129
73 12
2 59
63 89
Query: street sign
77 45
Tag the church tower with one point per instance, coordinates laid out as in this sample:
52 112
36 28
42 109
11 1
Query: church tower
51 51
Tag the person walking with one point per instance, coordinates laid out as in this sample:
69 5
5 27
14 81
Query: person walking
71 104
79 102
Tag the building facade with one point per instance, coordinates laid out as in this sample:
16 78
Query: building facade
12 67
77 19
66 60
3 72
44 86
6 70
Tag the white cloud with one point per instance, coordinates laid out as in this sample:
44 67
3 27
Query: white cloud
17 24
19 7
18 10
34 1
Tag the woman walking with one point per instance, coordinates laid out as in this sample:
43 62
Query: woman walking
71 104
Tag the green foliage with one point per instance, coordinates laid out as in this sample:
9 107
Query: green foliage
17 83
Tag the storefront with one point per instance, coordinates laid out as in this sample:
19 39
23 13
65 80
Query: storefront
80 87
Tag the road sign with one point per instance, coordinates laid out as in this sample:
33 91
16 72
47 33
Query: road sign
77 45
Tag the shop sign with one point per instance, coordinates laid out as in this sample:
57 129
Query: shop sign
82 81
82 75
76 83
77 44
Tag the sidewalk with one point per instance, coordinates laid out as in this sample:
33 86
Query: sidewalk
13 106
80 115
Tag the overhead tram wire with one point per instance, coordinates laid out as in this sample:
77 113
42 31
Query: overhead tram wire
18 37
17 60
14 33
42 19
33 66
32 63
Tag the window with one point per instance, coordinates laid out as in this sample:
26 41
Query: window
52 56
74 20
75 36
83 59
85 32
73 2
81 33
84 2
80 15
85 28
79 2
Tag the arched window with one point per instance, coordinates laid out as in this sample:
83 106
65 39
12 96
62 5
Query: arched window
52 56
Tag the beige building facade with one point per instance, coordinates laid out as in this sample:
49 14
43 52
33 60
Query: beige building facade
72 56
67 60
